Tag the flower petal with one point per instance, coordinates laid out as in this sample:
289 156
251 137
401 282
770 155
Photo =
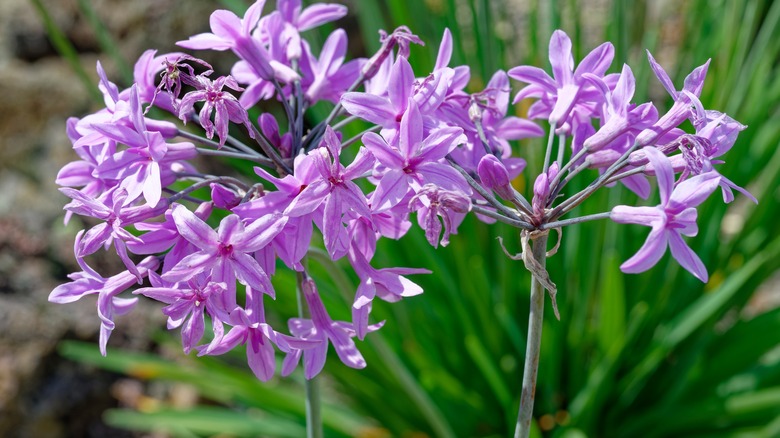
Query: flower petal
693 191
663 172
649 254
687 258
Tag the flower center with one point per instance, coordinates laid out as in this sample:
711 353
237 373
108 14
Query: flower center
225 250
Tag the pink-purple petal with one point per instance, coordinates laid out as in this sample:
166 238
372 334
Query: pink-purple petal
649 254
664 172
375 109
686 257
194 229
694 191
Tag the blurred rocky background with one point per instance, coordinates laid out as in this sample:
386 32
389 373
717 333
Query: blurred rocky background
41 394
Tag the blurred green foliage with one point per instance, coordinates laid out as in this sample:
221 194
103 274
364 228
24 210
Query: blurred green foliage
655 355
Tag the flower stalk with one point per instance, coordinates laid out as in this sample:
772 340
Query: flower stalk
533 343
314 427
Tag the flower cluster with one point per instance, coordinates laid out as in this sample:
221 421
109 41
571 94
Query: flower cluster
433 150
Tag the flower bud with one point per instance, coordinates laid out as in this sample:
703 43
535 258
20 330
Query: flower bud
494 176
223 197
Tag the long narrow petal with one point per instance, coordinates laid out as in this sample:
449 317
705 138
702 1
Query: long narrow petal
694 82
411 133
191 266
662 76
687 258
382 151
309 199
260 232
441 142
346 349
314 360
624 91
649 254
663 172
648 216
249 272
260 356
597 61
694 191
533 75
561 58
205 41
194 229
375 109
318 14
392 188
445 50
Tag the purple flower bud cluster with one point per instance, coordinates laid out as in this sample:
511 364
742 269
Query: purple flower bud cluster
434 149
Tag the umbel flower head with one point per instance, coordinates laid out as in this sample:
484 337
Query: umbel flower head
207 246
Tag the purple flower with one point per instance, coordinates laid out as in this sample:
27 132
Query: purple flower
336 191
328 77
251 329
143 168
414 161
225 105
324 330
187 304
401 37
293 243
542 192
88 282
225 254
110 208
231 32
619 115
402 89
311 17
388 284
430 202
164 237
493 175
721 132
673 218
384 111
685 101
566 89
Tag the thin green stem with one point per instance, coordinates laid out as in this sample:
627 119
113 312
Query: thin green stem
66 49
299 103
232 141
533 345
228 154
548 149
405 377
345 122
557 188
287 109
312 386
270 151
576 220
206 182
482 136
625 174
206 142
561 148
359 136
501 218
575 200
581 153
485 194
